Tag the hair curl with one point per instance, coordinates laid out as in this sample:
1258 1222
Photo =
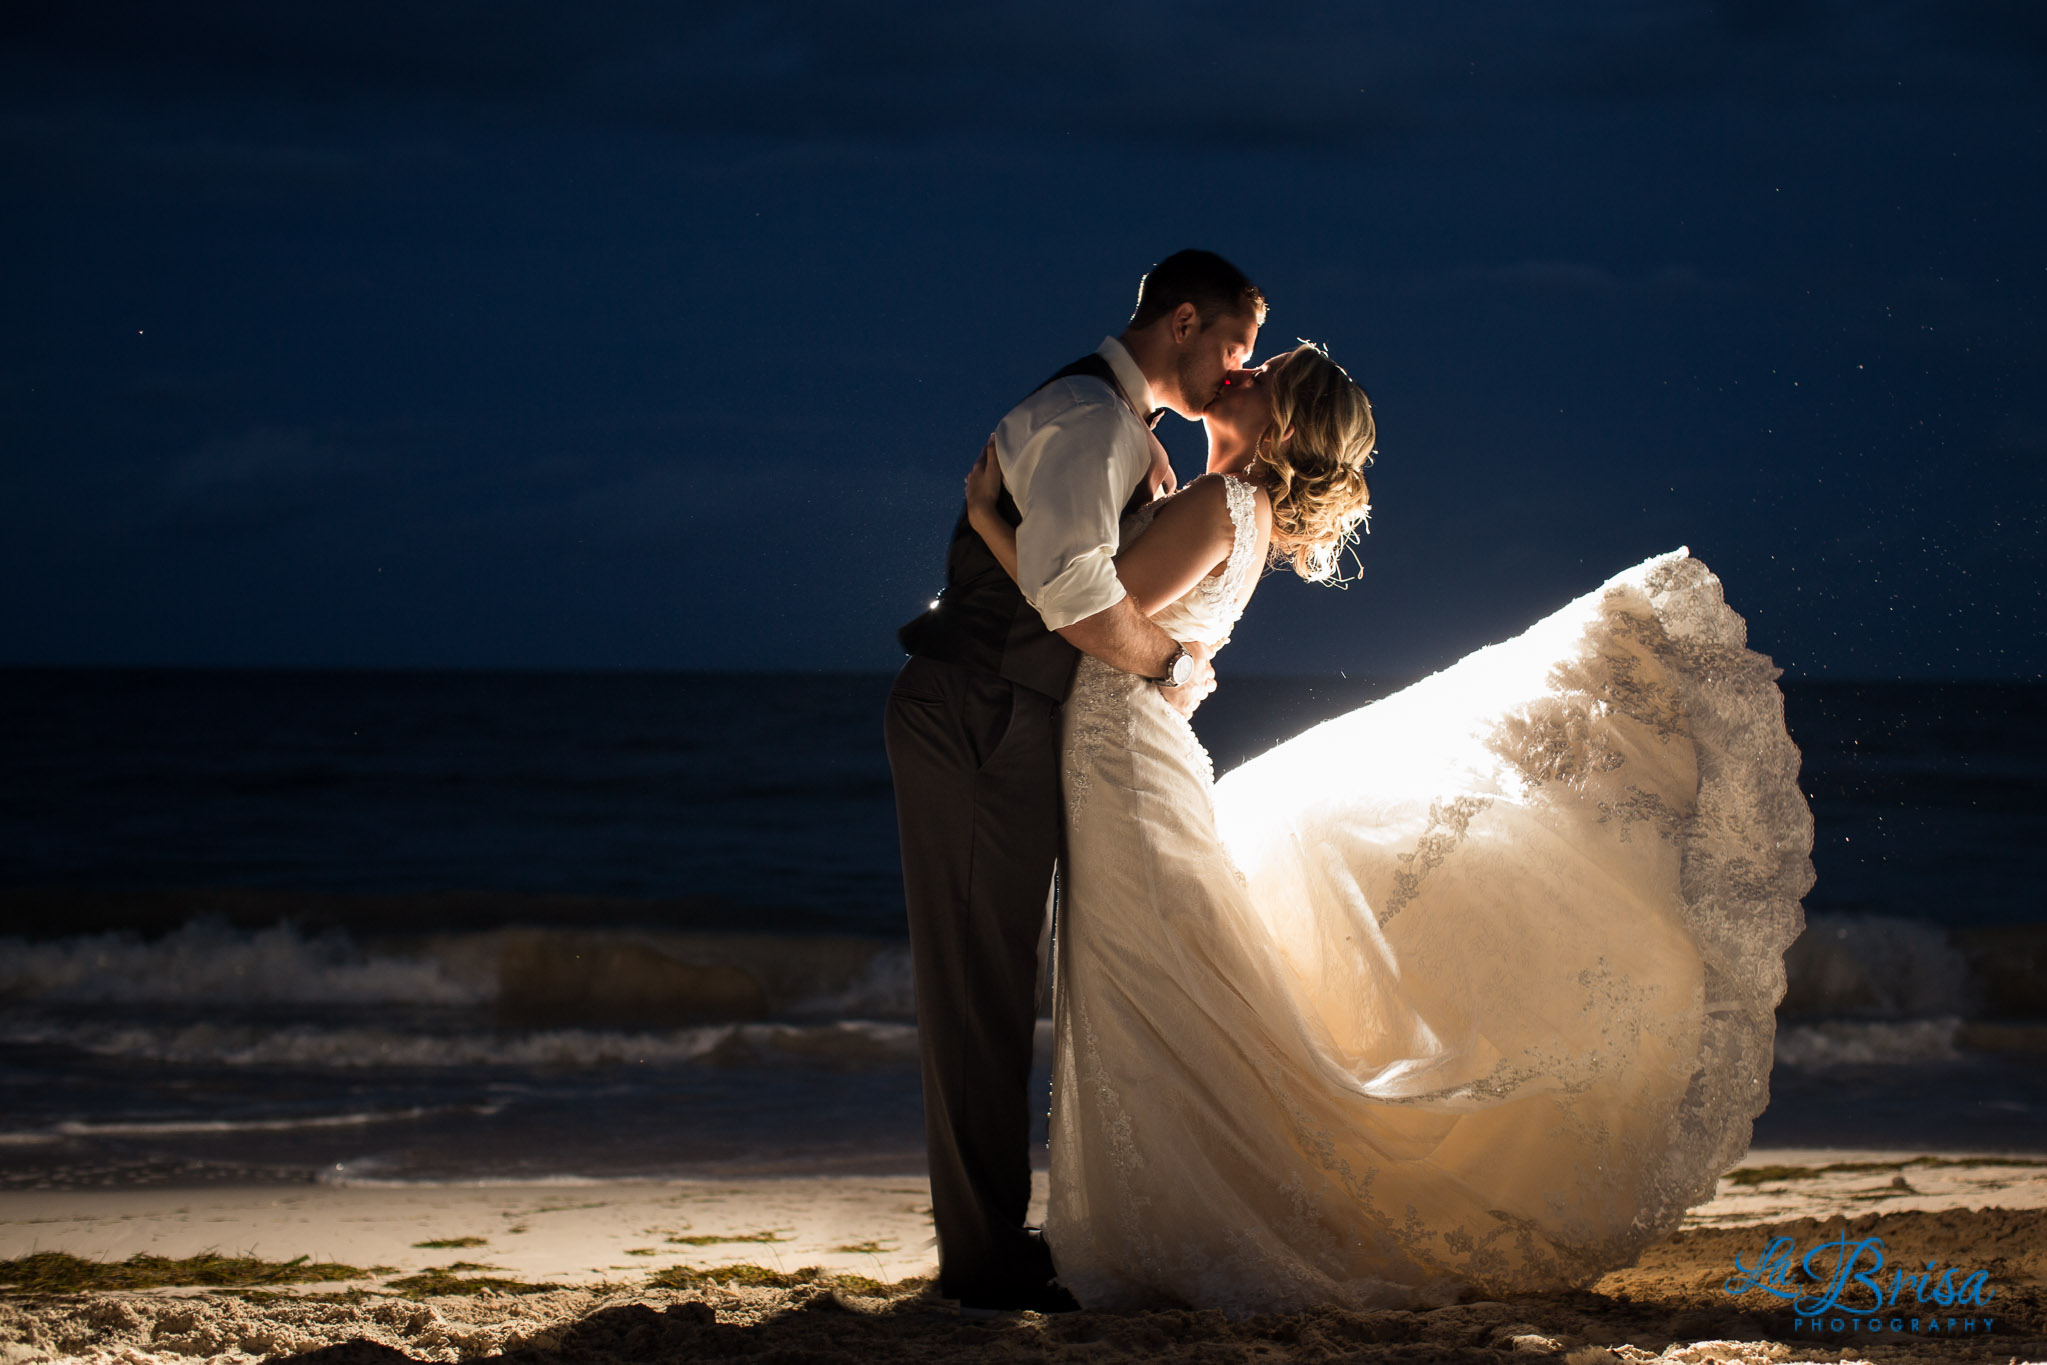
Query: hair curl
1315 454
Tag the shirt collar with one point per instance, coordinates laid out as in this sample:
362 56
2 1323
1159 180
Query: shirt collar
1135 385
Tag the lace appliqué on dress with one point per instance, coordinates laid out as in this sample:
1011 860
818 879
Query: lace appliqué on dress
1448 821
1102 698
1100 708
1222 588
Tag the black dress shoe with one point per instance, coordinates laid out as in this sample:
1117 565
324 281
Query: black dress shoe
1049 1297
1038 1257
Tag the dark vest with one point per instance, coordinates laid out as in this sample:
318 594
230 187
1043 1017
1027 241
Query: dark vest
981 619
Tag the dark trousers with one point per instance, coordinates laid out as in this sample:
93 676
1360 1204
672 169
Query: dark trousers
976 766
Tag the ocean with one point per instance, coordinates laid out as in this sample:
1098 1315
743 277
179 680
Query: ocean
390 927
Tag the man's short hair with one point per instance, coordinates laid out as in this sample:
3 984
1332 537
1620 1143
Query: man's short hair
1216 288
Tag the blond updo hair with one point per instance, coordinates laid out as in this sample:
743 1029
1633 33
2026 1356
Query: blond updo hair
1313 460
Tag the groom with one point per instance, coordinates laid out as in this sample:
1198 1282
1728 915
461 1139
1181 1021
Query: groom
973 741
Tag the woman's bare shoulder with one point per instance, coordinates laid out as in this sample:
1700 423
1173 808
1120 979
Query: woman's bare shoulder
1210 493
1201 509
1195 521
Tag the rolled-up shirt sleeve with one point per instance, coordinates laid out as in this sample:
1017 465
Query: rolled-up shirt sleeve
1083 466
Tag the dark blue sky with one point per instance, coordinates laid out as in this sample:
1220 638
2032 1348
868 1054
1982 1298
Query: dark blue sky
502 335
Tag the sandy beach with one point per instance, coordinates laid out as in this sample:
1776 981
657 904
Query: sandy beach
834 1269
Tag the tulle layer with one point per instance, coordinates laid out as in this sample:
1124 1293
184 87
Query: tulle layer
1471 988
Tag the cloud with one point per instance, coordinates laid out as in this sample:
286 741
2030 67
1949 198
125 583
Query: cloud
1190 77
260 481
708 506
658 504
1549 277
1559 279
2021 432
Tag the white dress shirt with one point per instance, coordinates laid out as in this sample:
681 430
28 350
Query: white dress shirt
1071 455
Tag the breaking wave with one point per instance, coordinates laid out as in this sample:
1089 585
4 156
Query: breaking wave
1863 1042
528 976
208 961
841 1042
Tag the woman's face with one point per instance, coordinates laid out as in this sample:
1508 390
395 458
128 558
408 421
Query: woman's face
1242 412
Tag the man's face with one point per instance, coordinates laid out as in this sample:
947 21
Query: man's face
1210 354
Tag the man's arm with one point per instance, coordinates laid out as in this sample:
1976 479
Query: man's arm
1071 476
1120 635
1123 637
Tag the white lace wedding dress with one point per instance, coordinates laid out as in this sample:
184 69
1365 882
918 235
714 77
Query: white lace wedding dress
1468 991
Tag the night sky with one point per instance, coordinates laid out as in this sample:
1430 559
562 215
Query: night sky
498 335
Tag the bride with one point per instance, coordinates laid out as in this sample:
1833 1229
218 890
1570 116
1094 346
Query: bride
1469 991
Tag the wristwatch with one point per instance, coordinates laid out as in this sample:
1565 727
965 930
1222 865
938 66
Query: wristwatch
1179 668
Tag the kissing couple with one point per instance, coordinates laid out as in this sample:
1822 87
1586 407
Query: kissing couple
1469 991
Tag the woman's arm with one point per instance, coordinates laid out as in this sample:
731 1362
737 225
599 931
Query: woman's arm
1188 539
984 488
